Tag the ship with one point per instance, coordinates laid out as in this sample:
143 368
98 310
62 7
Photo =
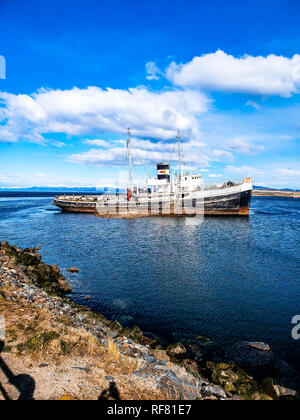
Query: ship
168 195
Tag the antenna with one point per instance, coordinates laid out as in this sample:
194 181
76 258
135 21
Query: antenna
179 153
129 158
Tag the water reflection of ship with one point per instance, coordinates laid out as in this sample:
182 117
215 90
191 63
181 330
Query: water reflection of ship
182 194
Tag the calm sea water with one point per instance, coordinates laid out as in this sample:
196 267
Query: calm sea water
229 279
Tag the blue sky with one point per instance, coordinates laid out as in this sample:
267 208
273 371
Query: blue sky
79 72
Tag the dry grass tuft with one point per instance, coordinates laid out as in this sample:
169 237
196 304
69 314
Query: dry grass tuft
93 346
113 351
118 364
39 336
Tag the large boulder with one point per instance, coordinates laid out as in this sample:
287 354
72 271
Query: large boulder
116 326
191 367
259 346
136 334
73 270
285 393
233 379
203 340
176 350
277 392
56 269
161 355
250 355
65 287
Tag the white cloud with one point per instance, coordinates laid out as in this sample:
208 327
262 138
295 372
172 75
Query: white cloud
94 110
271 75
58 144
97 142
144 153
242 146
222 154
12 179
271 175
147 152
253 104
214 176
244 170
287 173
153 71
285 176
6 136
116 156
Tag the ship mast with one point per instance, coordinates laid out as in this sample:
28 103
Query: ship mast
129 159
179 154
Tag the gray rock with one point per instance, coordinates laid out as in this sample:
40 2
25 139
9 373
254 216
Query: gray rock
81 317
43 365
245 356
191 366
212 391
284 392
176 350
146 373
109 378
259 346
83 368
149 359
66 308
112 334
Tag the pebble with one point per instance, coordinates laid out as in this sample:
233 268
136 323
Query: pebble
109 378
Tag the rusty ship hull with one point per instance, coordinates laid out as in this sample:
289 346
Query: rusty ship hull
222 204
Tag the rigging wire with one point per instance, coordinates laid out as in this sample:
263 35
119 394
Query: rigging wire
134 149
140 160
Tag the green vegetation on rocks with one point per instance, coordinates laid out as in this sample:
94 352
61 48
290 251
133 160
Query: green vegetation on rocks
233 379
43 275
38 342
236 381
176 350
136 334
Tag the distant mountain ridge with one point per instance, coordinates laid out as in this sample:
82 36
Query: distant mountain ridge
257 187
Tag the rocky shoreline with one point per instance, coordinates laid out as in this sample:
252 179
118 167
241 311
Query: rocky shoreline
108 355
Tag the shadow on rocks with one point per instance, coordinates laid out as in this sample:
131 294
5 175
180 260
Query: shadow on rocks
112 393
25 384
